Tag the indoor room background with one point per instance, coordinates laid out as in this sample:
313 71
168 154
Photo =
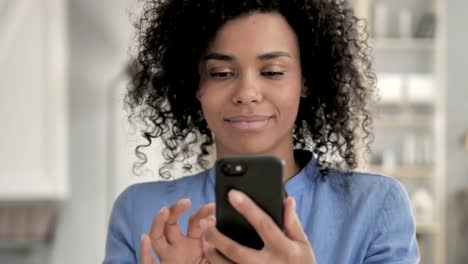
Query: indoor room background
66 149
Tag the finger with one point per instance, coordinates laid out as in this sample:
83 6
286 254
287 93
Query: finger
211 219
226 246
209 251
194 230
172 230
266 228
157 235
176 209
212 255
145 251
292 225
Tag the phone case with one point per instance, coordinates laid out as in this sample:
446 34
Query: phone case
262 182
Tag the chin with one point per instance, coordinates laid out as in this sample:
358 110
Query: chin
250 147
254 143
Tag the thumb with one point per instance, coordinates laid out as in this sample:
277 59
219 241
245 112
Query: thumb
292 225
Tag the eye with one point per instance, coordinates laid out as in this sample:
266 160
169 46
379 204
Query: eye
272 74
221 75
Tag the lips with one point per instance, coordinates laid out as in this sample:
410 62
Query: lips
251 118
248 123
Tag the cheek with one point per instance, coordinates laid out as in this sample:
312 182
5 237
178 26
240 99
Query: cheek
211 103
288 100
289 107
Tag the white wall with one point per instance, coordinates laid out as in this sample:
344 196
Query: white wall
99 35
456 123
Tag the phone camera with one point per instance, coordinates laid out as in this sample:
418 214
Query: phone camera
236 169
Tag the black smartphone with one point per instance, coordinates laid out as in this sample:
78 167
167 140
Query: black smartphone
260 178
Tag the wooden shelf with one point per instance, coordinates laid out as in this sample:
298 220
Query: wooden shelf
25 223
402 111
402 121
403 43
405 105
405 171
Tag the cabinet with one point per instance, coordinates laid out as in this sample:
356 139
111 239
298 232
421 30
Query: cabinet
407 45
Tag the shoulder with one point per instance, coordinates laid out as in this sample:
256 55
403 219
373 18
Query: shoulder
165 188
364 193
388 217
371 185
140 201
377 210
385 184
392 202
387 188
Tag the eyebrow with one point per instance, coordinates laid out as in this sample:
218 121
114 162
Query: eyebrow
273 55
218 56
263 57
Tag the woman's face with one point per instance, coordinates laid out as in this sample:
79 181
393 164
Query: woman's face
250 85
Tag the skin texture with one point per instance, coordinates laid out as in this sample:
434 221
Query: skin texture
247 84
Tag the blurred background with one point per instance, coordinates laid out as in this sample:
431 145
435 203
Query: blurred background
66 150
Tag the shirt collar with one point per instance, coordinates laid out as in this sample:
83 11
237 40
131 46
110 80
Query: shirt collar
304 178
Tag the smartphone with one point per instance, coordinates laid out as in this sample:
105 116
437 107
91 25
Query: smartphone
260 178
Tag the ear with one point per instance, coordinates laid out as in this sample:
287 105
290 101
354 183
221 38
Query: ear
304 88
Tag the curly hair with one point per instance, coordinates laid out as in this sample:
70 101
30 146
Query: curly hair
173 35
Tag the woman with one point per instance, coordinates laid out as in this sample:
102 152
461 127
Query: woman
286 78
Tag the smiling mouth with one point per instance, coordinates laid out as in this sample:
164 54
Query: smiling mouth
248 123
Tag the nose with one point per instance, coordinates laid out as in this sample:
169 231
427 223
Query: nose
247 91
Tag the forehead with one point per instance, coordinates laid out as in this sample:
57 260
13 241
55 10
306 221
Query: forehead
256 33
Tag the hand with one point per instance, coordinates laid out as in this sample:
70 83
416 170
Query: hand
169 242
290 246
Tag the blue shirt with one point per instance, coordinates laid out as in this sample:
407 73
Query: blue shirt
362 218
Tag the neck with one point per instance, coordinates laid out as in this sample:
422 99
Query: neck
291 167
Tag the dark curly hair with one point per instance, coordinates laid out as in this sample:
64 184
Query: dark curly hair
336 64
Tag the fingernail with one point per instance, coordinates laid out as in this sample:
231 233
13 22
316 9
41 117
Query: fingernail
162 210
203 224
142 237
293 203
211 220
235 196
